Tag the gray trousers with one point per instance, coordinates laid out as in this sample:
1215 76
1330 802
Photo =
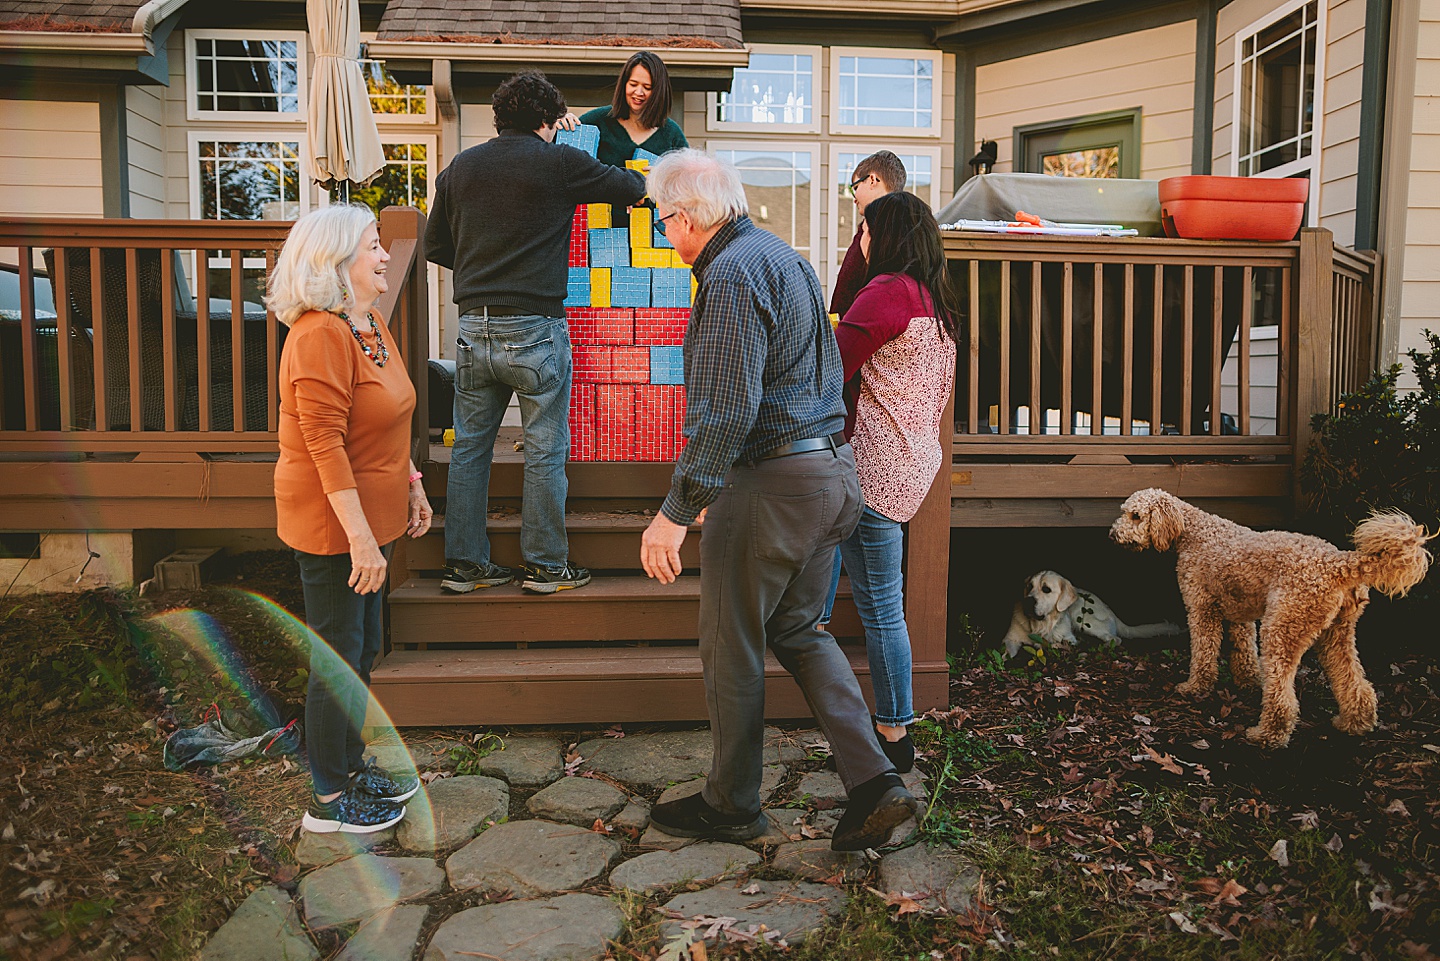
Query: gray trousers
766 551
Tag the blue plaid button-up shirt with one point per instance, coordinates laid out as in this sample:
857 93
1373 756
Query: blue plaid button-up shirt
762 367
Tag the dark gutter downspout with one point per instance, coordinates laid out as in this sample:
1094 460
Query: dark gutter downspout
1202 137
1372 120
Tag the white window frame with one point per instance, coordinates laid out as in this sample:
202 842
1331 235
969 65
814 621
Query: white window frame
712 99
192 159
302 67
937 59
392 137
1312 162
392 119
816 179
832 207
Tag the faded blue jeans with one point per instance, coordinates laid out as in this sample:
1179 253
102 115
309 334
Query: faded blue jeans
874 557
528 356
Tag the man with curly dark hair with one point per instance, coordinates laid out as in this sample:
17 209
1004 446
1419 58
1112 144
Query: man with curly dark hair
500 220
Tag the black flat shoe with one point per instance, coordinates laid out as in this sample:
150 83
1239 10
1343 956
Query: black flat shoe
875 808
901 753
693 817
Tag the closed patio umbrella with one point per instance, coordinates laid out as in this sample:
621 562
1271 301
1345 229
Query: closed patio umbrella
344 144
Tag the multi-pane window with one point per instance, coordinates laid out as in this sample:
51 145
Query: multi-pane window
777 89
1276 93
885 90
922 168
245 74
404 181
248 179
779 185
390 99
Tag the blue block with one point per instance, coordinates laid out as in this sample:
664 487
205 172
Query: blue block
670 287
577 289
659 241
583 137
667 365
610 247
640 152
630 287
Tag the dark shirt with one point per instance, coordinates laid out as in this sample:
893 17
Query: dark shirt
501 215
851 278
762 367
616 146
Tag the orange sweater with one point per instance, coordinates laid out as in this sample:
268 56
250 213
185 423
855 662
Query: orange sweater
344 422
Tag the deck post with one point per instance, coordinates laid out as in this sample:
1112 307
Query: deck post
927 579
1313 339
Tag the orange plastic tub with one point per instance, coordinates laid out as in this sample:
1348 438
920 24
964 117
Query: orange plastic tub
1233 208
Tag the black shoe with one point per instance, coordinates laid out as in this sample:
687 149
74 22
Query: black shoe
692 817
875 808
374 780
462 577
901 753
353 812
545 580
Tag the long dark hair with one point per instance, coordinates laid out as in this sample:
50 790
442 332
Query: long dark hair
657 108
905 239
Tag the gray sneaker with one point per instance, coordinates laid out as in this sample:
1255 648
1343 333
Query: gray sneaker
462 577
545 580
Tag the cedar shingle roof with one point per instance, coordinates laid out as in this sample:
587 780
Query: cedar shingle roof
68 14
658 23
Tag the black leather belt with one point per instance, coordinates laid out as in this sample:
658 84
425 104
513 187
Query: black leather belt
808 445
496 310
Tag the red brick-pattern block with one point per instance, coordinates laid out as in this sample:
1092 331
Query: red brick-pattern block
614 422
601 325
629 365
677 408
661 326
653 415
582 422
591 365
580 238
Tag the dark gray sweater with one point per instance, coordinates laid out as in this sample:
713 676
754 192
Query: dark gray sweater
501 218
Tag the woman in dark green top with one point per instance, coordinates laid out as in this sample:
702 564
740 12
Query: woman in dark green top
639 114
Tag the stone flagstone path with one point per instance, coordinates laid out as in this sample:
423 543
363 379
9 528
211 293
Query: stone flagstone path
525 863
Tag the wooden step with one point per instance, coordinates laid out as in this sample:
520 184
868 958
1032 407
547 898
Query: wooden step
580 686
599 540
620 608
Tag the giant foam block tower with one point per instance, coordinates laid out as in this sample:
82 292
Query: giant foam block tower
627 306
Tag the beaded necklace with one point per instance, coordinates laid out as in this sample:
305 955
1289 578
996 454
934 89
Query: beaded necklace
384 355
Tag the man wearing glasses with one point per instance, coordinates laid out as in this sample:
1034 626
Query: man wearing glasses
768 466
878 174
501 221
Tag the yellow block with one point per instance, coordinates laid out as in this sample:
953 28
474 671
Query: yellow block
676 260
834 321
597 215
694 286
650 257
449 437
599 286
640 238
642 165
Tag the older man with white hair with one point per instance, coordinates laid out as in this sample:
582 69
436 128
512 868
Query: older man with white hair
768 465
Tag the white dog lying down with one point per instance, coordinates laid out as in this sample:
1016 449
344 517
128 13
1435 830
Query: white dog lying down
1056 611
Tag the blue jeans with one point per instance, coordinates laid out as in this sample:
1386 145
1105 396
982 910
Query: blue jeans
874 555
829 610
350 631
528 356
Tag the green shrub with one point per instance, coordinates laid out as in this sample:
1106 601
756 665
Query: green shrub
1380 450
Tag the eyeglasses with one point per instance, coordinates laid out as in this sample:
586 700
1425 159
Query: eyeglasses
660 223
850 191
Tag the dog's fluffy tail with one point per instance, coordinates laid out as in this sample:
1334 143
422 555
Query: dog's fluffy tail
1392 552
1163 629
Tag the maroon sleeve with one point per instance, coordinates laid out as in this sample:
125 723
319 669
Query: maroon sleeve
850 280
881 312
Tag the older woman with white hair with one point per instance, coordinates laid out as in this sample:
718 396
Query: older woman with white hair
345 491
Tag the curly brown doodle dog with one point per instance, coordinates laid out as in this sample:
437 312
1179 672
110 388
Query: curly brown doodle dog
1057 612
1301 589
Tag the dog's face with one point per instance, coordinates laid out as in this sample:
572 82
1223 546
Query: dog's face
1046 594
1148 518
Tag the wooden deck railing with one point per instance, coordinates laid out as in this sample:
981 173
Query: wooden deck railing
1039 375
132 360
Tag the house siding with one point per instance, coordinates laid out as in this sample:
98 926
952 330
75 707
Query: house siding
145 151
50 159
1420 288
1152 69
